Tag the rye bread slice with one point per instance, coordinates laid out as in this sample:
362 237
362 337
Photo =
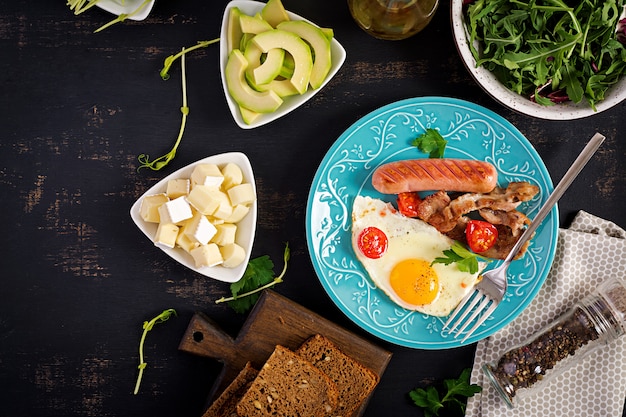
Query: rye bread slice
287 386
354 381
225 405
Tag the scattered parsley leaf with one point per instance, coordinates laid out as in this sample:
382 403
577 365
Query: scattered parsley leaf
466 260
147 326
455 392
259 275
431 142
162 161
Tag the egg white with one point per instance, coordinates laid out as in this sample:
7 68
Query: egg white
409 238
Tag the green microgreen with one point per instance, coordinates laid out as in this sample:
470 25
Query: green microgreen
259 275
431 142
147 326
454 393
162 161
170 59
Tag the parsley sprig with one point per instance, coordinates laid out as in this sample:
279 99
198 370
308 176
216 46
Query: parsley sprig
259 275
147 326
431 142
454 393
466 260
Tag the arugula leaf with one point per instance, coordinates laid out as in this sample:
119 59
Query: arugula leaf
467 261
258 276
431 142
147 326
455 392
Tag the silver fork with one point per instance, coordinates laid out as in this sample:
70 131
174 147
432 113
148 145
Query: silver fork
489 292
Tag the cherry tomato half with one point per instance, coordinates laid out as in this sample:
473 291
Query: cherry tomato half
408 203
480 235
372 242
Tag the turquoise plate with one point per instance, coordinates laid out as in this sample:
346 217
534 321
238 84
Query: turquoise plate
384 135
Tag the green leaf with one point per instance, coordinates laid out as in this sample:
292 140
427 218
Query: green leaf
453 394
466 260
258 276
431 142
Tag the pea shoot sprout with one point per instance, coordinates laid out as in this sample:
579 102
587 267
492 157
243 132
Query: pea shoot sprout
170 59
80 6
162 161
147 326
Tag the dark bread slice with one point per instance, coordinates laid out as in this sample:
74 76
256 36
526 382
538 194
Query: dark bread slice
354 381
225 405
288 385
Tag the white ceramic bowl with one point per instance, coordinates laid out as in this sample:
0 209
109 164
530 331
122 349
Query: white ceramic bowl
488 81
338 56
118 7
245 228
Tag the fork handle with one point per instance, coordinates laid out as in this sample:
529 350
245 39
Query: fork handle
580 162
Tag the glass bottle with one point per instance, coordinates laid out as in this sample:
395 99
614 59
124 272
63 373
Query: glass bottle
392 19
591 323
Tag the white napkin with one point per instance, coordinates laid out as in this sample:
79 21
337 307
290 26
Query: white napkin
591 250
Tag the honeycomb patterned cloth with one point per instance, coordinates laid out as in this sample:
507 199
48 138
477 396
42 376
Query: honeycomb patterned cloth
591 250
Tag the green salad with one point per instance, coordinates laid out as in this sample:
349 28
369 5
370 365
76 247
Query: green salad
550 51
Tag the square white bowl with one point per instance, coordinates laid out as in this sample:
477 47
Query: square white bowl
246 228
337 53
117 7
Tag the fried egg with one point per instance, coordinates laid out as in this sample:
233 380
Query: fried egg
397 253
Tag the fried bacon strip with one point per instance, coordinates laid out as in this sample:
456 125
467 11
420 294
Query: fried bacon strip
497 207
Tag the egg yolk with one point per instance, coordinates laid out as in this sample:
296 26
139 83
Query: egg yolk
414 281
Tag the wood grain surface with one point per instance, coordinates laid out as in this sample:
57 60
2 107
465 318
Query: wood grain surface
79 279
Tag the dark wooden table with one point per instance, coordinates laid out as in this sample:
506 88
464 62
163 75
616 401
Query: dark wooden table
79 279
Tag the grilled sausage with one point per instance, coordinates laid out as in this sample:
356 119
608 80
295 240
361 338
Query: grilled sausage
463 175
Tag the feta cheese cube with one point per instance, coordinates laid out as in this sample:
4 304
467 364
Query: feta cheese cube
225 234
207 174
239 212
178 187
232 175
175 211
207 255
241 194
199 229
150 204
206 199
166 235
185 243
233 255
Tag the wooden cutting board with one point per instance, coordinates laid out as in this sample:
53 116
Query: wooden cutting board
274 320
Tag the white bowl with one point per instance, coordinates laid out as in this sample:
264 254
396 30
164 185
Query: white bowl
117 7
245 228
488 81
338 56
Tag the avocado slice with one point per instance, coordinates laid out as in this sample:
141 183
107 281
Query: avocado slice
234 33
241 92
294 45
320 46
263 72
274 12
249 24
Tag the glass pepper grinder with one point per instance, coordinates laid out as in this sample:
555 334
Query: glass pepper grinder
392 19
590 324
